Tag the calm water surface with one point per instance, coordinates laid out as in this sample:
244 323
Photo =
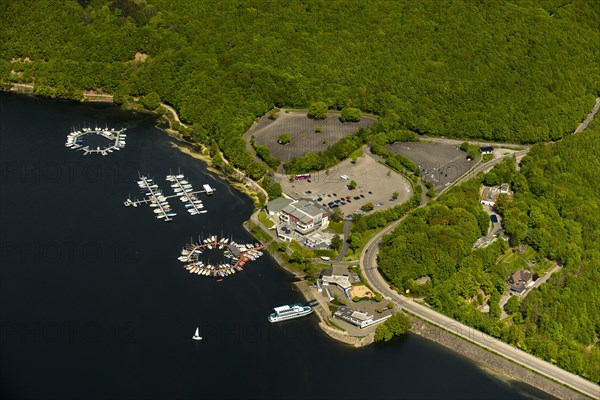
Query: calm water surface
94 304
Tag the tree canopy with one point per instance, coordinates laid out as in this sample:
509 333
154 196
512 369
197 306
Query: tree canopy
555 210
523 71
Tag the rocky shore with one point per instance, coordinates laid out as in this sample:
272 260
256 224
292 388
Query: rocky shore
492 361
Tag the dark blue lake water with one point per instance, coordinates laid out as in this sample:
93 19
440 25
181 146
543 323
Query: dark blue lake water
94 303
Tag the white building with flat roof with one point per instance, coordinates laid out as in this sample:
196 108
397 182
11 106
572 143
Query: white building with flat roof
304 216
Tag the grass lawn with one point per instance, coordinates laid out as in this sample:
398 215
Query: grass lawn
258 232
295 246
325 253
262 217
513 260
337 227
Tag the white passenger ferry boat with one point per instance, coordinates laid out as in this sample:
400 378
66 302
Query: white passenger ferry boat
289 311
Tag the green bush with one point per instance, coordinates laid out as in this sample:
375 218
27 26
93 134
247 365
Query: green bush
351 114
398 324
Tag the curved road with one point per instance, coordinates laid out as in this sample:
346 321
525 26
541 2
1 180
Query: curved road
368 265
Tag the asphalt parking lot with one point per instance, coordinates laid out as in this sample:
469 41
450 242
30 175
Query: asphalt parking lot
375 183
303 132
440 163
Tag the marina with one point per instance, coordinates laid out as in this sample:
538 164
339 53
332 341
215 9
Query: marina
155 198
75 140
236 255
184 190
158 202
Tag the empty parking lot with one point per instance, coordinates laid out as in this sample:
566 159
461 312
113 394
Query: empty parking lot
303 132
440 163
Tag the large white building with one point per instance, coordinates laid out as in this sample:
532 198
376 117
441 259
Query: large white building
304 216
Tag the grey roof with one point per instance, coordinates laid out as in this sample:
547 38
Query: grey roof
345 312
278 204
297 214
306 219
302 209
327 272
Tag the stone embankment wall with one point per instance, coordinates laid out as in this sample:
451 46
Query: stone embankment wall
493 361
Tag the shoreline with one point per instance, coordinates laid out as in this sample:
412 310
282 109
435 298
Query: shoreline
479 356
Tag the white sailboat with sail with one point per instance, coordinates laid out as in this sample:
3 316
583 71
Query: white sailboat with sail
197 335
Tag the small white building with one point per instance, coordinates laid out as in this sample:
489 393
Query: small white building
356 318
486 150
489 195
208 189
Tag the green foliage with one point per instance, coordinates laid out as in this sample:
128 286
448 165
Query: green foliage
555 210
471 150
503 172
351 114
397 325
336 242
284 138
367 207
436 241
241 61
150 101
395 161
395 195
336 216
265 154
318 110
352 185
512 305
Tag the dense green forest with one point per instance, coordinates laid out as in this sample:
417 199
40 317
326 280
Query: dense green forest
524 71
555 210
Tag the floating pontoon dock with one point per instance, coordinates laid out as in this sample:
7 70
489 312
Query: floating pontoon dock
237 255
157 200
75 140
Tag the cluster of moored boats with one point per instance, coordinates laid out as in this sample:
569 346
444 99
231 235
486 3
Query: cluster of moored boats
185 191
75 140
158 202
237 256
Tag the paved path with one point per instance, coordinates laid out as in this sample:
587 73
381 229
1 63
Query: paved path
589 118
174 113
346 236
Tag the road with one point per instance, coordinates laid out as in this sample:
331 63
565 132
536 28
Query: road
368 265
457 142
589 118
